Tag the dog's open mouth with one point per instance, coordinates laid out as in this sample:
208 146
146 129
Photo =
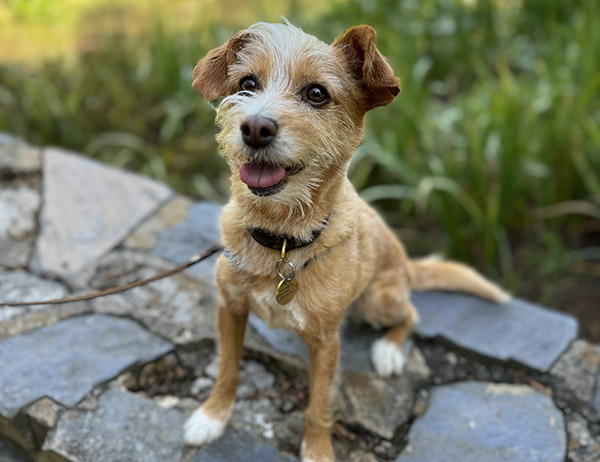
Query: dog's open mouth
265 179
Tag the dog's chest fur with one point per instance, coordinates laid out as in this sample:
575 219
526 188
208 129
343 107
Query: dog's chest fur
265 306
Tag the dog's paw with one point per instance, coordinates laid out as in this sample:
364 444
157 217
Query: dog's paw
201 429
324 455
387 358
314 458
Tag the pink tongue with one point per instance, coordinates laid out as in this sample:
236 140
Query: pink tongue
261 175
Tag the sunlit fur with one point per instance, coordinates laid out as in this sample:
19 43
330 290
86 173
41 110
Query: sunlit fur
355 258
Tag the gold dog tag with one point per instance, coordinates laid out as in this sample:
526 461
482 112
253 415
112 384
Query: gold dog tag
286 289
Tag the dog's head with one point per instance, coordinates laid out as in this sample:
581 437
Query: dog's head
293 107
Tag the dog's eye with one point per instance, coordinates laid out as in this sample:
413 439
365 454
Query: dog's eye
248 83
317 95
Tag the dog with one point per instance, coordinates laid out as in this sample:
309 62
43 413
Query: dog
301 245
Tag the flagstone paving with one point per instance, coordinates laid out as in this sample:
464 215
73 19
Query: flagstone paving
198 231
478 421
88 209
241 446
518 331
19 158
65 361
25 287
180 308
19 206
82 435
7 454
113 379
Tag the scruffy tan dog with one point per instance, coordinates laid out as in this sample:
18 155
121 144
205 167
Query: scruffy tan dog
290 122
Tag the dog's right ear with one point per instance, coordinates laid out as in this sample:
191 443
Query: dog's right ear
209 77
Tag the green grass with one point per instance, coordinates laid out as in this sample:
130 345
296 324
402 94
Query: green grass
491 152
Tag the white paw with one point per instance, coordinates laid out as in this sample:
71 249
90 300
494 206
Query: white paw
302 448
201 429
311 459
387 358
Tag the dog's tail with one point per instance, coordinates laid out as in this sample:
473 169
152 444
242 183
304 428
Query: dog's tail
433 273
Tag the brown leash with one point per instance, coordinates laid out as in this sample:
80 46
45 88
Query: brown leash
115 290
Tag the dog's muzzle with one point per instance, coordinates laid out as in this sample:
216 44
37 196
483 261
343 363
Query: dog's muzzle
263 178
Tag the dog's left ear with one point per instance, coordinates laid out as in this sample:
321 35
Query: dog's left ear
209 77
368 65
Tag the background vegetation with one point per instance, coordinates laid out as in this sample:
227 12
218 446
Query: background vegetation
490 154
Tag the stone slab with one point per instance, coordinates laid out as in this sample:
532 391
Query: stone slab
123 427
259 416
88 209
18 209
145 237
18 286
519 331
22 286
282 341
180 308
596 402
199 231
15 253
254 378
478 421
8 138
18 158
584 445
382 405
237 445
8 455
44 414
578 368
361 456
67 360
18 214
33 318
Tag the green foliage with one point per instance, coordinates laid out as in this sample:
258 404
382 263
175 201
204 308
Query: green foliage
495 138
498 117
129 103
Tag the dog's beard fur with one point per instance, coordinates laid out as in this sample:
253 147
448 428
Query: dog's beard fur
301 147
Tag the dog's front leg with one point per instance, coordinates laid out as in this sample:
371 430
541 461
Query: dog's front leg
323 356
208 422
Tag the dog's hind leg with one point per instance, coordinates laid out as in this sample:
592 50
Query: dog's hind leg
386 303
209 421
387 354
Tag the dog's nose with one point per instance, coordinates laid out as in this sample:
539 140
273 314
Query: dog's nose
258 131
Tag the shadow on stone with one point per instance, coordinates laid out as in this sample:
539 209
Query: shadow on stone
238 445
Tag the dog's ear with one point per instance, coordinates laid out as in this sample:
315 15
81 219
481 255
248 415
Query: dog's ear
209 77
368 66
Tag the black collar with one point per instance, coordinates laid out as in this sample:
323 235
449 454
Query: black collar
275 241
